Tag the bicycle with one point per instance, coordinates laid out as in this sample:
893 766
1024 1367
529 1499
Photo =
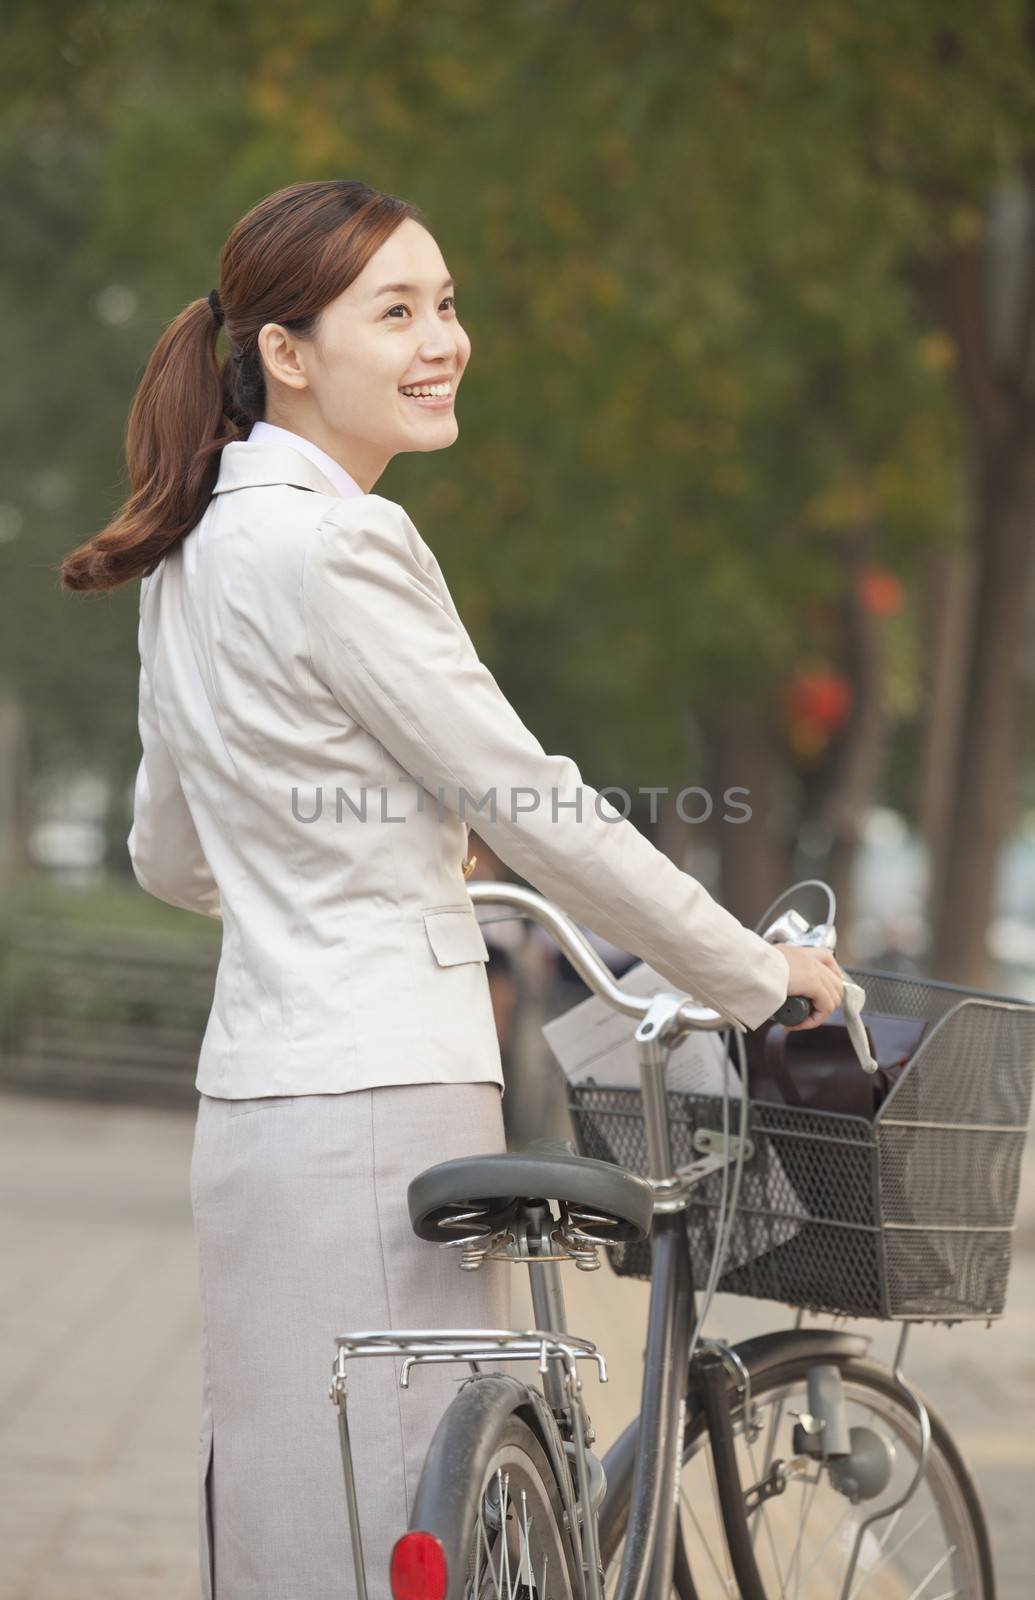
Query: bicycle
803 1467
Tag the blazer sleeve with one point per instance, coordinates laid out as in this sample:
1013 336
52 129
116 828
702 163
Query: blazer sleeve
385 638
168 860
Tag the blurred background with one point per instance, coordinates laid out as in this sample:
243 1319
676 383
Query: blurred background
743 499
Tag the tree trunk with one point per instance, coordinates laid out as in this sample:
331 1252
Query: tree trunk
14 790
985 789
988 298
744 752
946 633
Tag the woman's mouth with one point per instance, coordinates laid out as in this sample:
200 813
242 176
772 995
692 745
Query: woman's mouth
432 397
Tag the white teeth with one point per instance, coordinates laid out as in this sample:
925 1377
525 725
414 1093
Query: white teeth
437 390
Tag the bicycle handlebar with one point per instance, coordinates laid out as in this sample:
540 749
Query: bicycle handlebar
596 975
795 1009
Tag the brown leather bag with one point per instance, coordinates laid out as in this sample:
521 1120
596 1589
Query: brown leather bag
817 1069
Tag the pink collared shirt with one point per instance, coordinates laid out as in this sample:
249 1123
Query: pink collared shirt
269 433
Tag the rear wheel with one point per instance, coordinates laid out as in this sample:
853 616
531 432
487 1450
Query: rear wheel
518 1547
935 1548
500 1521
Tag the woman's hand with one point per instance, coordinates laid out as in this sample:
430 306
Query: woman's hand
816 975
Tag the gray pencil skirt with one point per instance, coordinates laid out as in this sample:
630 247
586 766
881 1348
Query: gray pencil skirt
303 1233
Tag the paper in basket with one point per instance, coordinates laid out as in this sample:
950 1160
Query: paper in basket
594 1044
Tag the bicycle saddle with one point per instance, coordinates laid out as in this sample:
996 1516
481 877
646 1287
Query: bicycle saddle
484 1193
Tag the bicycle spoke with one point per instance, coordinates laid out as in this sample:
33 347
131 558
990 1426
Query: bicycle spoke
890 1554
763 1512
776 1417
835 1530
705 1544
504 1544
716 1502
774 1424
525 1564
488 1557
889 1530
918 1591
480 1536
808 1491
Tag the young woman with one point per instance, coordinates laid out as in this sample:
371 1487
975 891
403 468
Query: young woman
316 727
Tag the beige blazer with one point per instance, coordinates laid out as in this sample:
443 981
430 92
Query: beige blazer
318 733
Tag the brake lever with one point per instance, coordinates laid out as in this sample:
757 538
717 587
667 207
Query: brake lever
854 1000
792 928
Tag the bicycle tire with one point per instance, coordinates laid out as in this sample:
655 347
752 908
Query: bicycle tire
483 1450
863 1376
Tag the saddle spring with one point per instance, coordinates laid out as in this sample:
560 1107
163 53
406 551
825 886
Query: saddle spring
575 1236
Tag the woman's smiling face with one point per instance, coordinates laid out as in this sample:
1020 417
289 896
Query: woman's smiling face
393 327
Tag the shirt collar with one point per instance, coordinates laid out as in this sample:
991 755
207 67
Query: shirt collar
268 433
243 465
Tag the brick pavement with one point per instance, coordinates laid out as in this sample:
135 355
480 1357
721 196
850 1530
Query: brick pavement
100 1375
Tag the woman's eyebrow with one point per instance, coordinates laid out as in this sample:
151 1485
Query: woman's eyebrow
407 288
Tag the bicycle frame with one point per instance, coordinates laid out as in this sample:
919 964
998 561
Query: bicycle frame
654 1555
650 1551
654 1543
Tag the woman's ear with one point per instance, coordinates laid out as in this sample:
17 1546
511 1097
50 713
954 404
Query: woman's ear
282 356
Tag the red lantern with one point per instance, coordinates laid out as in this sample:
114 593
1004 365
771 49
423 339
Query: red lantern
822 698
879 591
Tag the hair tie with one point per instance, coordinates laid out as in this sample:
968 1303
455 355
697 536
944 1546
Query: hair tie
215 307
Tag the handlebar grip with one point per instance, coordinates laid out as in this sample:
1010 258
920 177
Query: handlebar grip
794 1010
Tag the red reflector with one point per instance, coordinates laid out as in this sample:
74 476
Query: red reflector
418 1569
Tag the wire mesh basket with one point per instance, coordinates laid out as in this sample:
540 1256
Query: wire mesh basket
908 1216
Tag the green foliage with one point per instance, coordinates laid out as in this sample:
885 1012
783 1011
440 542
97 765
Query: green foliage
686 242
119 906
106 966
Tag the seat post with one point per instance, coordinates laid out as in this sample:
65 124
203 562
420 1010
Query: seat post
548 1296
548 1308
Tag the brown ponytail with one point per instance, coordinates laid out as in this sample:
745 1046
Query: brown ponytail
290 256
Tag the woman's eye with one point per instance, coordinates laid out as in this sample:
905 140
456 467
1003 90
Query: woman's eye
450 300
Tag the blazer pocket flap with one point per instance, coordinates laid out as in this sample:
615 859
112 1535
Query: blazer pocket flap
454 935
